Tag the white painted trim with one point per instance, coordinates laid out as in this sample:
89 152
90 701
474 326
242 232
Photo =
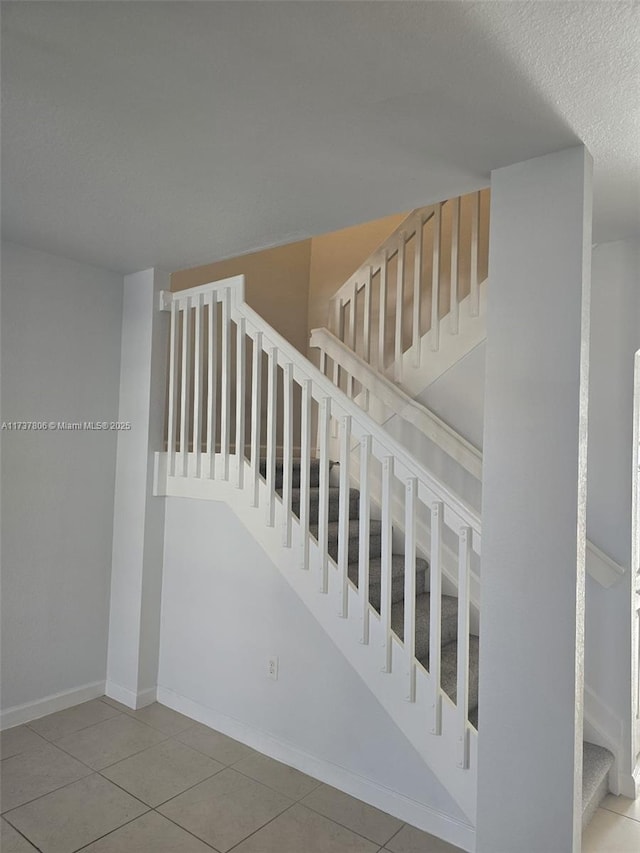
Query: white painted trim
404 808
129 697
395 401
629 784
19 714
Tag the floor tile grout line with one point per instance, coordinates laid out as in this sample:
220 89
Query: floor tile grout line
15 828
131 712
215 731
260 828
343 825
68 785
41 796
404 823
184 829
168 800
613 811
111 831
81 729
266 785
105 766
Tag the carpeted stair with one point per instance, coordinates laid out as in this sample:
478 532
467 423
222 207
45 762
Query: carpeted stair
597 761
449 604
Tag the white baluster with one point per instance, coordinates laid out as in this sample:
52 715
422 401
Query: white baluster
411 490
240 399
256 414
382 319
287 453
212 379
351 335
339 333
435 280
363 551
462 689
173 408
454 306
417 293
386 564
272 392
322 367
435 616
305 464
366 331
399 306
184 389
197 383
323 508
343 515
225 370
474 301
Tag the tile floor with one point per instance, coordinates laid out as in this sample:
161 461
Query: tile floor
102 778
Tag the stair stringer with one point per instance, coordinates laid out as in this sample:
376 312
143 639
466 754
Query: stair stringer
439 752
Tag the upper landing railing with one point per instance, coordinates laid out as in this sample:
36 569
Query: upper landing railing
435 260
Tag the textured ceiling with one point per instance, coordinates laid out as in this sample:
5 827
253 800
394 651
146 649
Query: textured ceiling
175 133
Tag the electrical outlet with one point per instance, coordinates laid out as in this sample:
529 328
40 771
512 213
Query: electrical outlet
272 668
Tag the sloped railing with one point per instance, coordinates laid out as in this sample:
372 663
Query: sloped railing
223 423
420 274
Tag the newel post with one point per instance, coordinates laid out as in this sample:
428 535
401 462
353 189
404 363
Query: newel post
534 500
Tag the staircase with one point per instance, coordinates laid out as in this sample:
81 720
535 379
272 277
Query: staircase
448 603
384 555
243 406
386 388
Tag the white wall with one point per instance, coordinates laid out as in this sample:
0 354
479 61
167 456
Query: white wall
225 610
615 337
61 325
457 397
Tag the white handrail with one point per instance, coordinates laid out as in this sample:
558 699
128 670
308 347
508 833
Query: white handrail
384 252
427 502
395 398
414 289
599 565
323 387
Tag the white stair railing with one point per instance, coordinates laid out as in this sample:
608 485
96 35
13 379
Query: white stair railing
418 277
377 389
214 338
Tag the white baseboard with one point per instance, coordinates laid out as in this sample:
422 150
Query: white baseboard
129 697
398 805
50 704
629 784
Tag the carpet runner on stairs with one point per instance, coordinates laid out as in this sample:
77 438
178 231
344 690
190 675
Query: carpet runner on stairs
597 761
449 604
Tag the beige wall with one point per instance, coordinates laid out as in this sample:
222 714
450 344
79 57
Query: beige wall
277 286
335 256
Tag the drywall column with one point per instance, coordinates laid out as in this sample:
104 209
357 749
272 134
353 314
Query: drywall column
534 498
138 523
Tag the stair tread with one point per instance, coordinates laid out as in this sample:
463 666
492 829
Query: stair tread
397 567
596 763
375 528
449 621
449 668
